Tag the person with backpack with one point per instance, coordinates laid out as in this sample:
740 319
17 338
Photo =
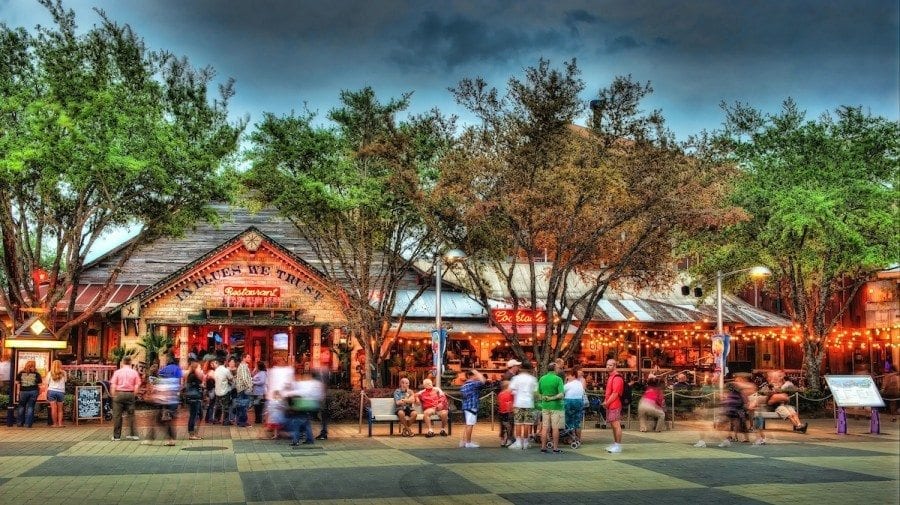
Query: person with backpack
612 400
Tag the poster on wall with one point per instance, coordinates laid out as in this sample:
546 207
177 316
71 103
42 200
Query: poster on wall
280 341
41 361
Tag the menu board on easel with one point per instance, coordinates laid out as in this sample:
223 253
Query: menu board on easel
88 403
854 391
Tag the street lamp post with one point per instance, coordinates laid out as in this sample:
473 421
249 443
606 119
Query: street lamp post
757 271
437 335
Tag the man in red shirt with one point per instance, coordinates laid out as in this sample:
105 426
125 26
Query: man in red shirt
433 402
612 400
124 385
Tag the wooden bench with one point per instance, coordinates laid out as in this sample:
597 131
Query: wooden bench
763 409
383 410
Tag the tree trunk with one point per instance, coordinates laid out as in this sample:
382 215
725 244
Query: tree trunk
813 356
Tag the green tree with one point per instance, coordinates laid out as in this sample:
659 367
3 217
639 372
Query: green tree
98 133
603 204
354 191
821 196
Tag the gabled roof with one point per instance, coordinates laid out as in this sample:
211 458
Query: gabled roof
224 249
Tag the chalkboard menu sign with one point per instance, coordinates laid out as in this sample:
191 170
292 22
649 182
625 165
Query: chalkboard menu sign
88 403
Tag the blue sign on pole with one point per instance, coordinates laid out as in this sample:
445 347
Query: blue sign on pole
438 348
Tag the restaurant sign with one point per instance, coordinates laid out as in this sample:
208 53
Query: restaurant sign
519 317
252 291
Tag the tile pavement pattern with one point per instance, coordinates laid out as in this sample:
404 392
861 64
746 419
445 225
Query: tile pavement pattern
235 465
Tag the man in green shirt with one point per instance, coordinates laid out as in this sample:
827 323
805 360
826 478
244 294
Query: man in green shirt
551 390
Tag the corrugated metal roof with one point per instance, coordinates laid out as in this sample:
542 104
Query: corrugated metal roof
453 305
643 310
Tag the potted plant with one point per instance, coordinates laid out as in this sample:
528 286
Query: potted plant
120 351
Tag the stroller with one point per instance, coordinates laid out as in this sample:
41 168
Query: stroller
596 406
106 405
567 436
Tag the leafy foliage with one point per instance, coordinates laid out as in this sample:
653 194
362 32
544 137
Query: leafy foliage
604 204
354 191
821 197
98 133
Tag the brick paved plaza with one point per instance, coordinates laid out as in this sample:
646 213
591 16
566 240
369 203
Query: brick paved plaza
81 464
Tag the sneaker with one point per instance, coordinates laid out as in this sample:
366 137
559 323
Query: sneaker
515 445
462 443
115 439
558 451
443 433
725 443
429 434
525 446
472 445
195 437
133 437
760 441
614 449
801 428
700 443
322 436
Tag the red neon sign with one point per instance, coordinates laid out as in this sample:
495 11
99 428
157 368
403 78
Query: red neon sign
519 317
252 291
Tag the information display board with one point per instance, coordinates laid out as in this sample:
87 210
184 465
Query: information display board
88 403
854 391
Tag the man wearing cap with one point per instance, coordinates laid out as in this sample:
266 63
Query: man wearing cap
612 400
512 368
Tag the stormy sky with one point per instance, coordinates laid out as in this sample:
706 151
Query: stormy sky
696 54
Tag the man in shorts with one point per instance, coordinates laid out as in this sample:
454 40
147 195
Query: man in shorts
612 400
551 389
523 387
469 392
780 399
404 400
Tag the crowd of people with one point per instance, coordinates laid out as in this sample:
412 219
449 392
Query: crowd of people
220 391
288 400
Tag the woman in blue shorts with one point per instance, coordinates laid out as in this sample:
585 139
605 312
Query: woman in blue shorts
56 392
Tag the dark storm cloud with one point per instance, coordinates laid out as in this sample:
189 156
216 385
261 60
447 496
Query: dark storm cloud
578 17
622 43
449 43
824 53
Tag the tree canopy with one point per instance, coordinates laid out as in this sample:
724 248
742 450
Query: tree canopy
603 204
97 133
821 200
354 190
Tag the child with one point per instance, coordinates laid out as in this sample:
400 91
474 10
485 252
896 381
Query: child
275 415
505 408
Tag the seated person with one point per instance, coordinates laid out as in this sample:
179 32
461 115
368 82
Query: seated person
404 401
681 381
433 402
890 391
779 398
